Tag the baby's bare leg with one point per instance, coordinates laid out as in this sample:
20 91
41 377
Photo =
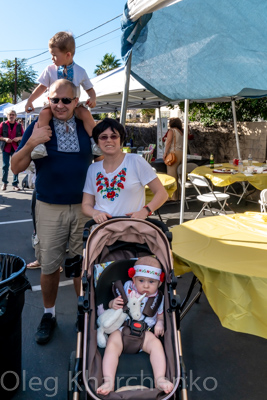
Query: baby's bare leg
153 346
110 362
44 117
85 115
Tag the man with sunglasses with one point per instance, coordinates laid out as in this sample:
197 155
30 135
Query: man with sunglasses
59 185
10 135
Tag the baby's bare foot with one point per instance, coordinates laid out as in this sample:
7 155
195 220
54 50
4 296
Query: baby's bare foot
164 384
105 389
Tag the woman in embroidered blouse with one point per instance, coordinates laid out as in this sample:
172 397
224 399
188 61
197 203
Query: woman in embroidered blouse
115 186
174 144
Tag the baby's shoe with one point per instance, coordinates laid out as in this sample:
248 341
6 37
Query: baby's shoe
39 152
95 149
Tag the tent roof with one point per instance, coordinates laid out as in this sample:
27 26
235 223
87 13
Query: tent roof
109 89
197 49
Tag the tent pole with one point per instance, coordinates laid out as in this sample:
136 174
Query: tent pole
127 70
235 128
184 162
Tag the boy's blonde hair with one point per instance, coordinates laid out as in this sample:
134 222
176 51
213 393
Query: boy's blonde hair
64 41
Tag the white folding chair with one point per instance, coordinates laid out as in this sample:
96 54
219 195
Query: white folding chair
263 200
188 185
212 196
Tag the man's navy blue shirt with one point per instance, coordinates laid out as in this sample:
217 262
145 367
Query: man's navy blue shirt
60 176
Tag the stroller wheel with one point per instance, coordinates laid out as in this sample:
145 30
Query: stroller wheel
73 377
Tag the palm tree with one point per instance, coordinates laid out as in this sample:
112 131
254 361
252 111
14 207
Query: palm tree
108 63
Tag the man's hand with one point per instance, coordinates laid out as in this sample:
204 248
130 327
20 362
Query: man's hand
16 139
8 140
91 103
40 135
29 107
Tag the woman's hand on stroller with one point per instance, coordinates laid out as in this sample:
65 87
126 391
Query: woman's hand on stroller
100 216
117 303
142 214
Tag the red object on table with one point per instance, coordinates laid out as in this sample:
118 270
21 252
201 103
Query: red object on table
235 161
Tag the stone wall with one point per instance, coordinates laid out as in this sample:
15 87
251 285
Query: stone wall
218 139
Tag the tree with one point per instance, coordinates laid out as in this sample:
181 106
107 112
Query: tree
211 113
108 63
15 77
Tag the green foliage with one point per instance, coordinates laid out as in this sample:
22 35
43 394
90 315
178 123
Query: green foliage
108 63
5 99
26 78
211 113
149 112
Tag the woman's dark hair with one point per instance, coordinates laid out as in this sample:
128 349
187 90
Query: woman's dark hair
176 123
114 125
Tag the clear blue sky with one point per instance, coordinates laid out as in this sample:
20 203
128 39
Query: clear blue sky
27 26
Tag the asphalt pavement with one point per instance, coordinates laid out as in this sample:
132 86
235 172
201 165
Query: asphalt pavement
221 364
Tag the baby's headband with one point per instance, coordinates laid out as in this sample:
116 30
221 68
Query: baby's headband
146 271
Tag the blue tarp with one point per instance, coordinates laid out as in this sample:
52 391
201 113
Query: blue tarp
201 49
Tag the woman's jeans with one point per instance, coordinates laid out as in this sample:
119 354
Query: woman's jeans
6 162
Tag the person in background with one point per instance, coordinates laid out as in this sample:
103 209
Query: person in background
174 143
11 133
59 185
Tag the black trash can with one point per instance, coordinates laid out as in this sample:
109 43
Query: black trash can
13 284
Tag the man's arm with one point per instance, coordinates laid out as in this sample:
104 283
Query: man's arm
22 158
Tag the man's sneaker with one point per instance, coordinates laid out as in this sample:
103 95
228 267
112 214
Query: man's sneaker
3 187
45 329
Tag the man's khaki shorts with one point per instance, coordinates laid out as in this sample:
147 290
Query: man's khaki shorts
57 224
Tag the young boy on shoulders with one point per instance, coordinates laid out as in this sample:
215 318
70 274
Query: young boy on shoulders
62 49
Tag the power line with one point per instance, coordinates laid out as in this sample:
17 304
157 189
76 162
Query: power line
85 33
98 26
9 51
90 41
99 37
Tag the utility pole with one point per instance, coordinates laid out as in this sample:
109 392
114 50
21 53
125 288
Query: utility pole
16 81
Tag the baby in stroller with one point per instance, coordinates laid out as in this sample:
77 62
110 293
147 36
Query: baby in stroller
147 277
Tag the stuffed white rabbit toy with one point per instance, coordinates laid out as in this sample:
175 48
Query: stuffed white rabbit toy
111 320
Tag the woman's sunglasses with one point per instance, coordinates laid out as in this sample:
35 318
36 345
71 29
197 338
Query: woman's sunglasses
65 100
113 136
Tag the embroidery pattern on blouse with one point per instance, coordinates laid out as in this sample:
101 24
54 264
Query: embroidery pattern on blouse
111 190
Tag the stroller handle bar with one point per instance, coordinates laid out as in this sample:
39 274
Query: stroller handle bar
153 221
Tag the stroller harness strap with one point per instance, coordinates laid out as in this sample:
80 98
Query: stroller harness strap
118 290
152 304
133 336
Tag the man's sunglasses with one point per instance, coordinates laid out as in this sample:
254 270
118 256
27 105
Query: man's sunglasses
113 136
65 100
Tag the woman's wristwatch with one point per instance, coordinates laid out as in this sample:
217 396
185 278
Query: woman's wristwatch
149 211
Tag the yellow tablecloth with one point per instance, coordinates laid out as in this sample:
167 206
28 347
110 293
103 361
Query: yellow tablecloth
169 182
228 254
259 181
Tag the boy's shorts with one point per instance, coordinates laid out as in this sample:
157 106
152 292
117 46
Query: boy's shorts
57 224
